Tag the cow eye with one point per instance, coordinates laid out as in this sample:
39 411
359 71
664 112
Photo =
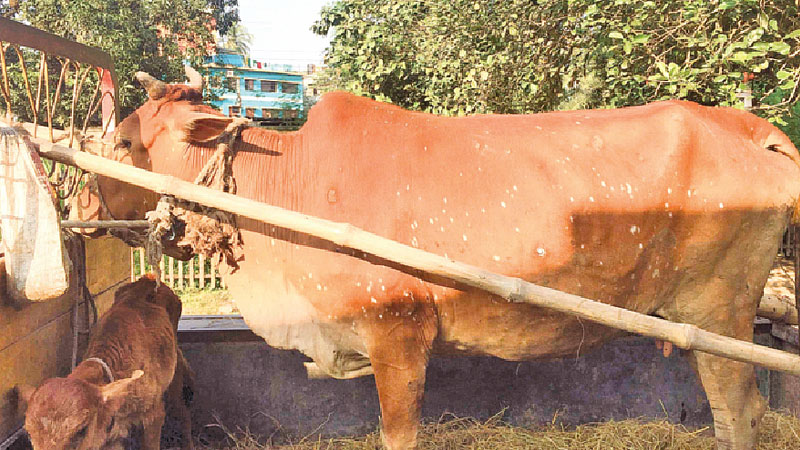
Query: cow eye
125 143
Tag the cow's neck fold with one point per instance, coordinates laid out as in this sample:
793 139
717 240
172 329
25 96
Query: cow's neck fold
267 166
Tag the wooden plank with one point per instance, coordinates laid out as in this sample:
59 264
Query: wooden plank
171 263
191 272
106 269
202 268
161 269
37 356
180 275
15 323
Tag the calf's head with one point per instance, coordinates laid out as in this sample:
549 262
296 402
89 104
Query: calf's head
70 413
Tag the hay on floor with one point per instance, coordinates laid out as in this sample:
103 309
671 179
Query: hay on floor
779 431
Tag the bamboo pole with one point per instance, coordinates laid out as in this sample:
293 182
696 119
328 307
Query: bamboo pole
685 336
171 262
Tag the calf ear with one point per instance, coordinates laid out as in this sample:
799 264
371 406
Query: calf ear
113 392
203 127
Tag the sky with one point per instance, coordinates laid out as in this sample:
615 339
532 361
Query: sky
281 30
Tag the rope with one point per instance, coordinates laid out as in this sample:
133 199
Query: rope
208 231
106 369
160 222
94 188
218 171
77 251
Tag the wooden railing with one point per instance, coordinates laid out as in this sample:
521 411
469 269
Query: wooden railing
199 272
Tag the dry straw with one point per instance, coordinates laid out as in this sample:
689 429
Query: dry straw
779 431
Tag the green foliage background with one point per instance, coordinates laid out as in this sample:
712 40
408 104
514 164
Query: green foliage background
516 56
138 34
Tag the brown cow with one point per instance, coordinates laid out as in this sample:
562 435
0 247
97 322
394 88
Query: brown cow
671 209
132 363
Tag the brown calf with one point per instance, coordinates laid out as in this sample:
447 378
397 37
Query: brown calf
132 365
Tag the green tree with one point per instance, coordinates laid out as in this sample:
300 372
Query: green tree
238 39
156 36
517 56
226 13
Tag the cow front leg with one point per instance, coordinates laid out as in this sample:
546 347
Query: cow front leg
735 401
399 338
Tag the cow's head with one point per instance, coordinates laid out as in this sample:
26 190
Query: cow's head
70 413
154 138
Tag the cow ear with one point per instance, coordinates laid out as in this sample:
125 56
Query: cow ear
204 127
115 391
24 393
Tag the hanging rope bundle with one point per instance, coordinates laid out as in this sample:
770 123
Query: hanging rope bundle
207 231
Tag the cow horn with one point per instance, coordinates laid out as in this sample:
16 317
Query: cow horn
155 88
195 79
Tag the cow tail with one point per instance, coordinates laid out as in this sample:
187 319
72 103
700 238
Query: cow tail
790 152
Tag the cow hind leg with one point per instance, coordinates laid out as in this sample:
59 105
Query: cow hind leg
737 405
399 338
151 433
735 401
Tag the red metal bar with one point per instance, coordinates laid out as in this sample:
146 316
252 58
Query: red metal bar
107 86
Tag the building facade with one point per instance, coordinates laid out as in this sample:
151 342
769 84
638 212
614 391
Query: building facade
262 92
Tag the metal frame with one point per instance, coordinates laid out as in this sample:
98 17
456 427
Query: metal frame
20 34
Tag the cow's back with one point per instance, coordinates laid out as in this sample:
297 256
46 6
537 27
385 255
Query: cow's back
622 206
